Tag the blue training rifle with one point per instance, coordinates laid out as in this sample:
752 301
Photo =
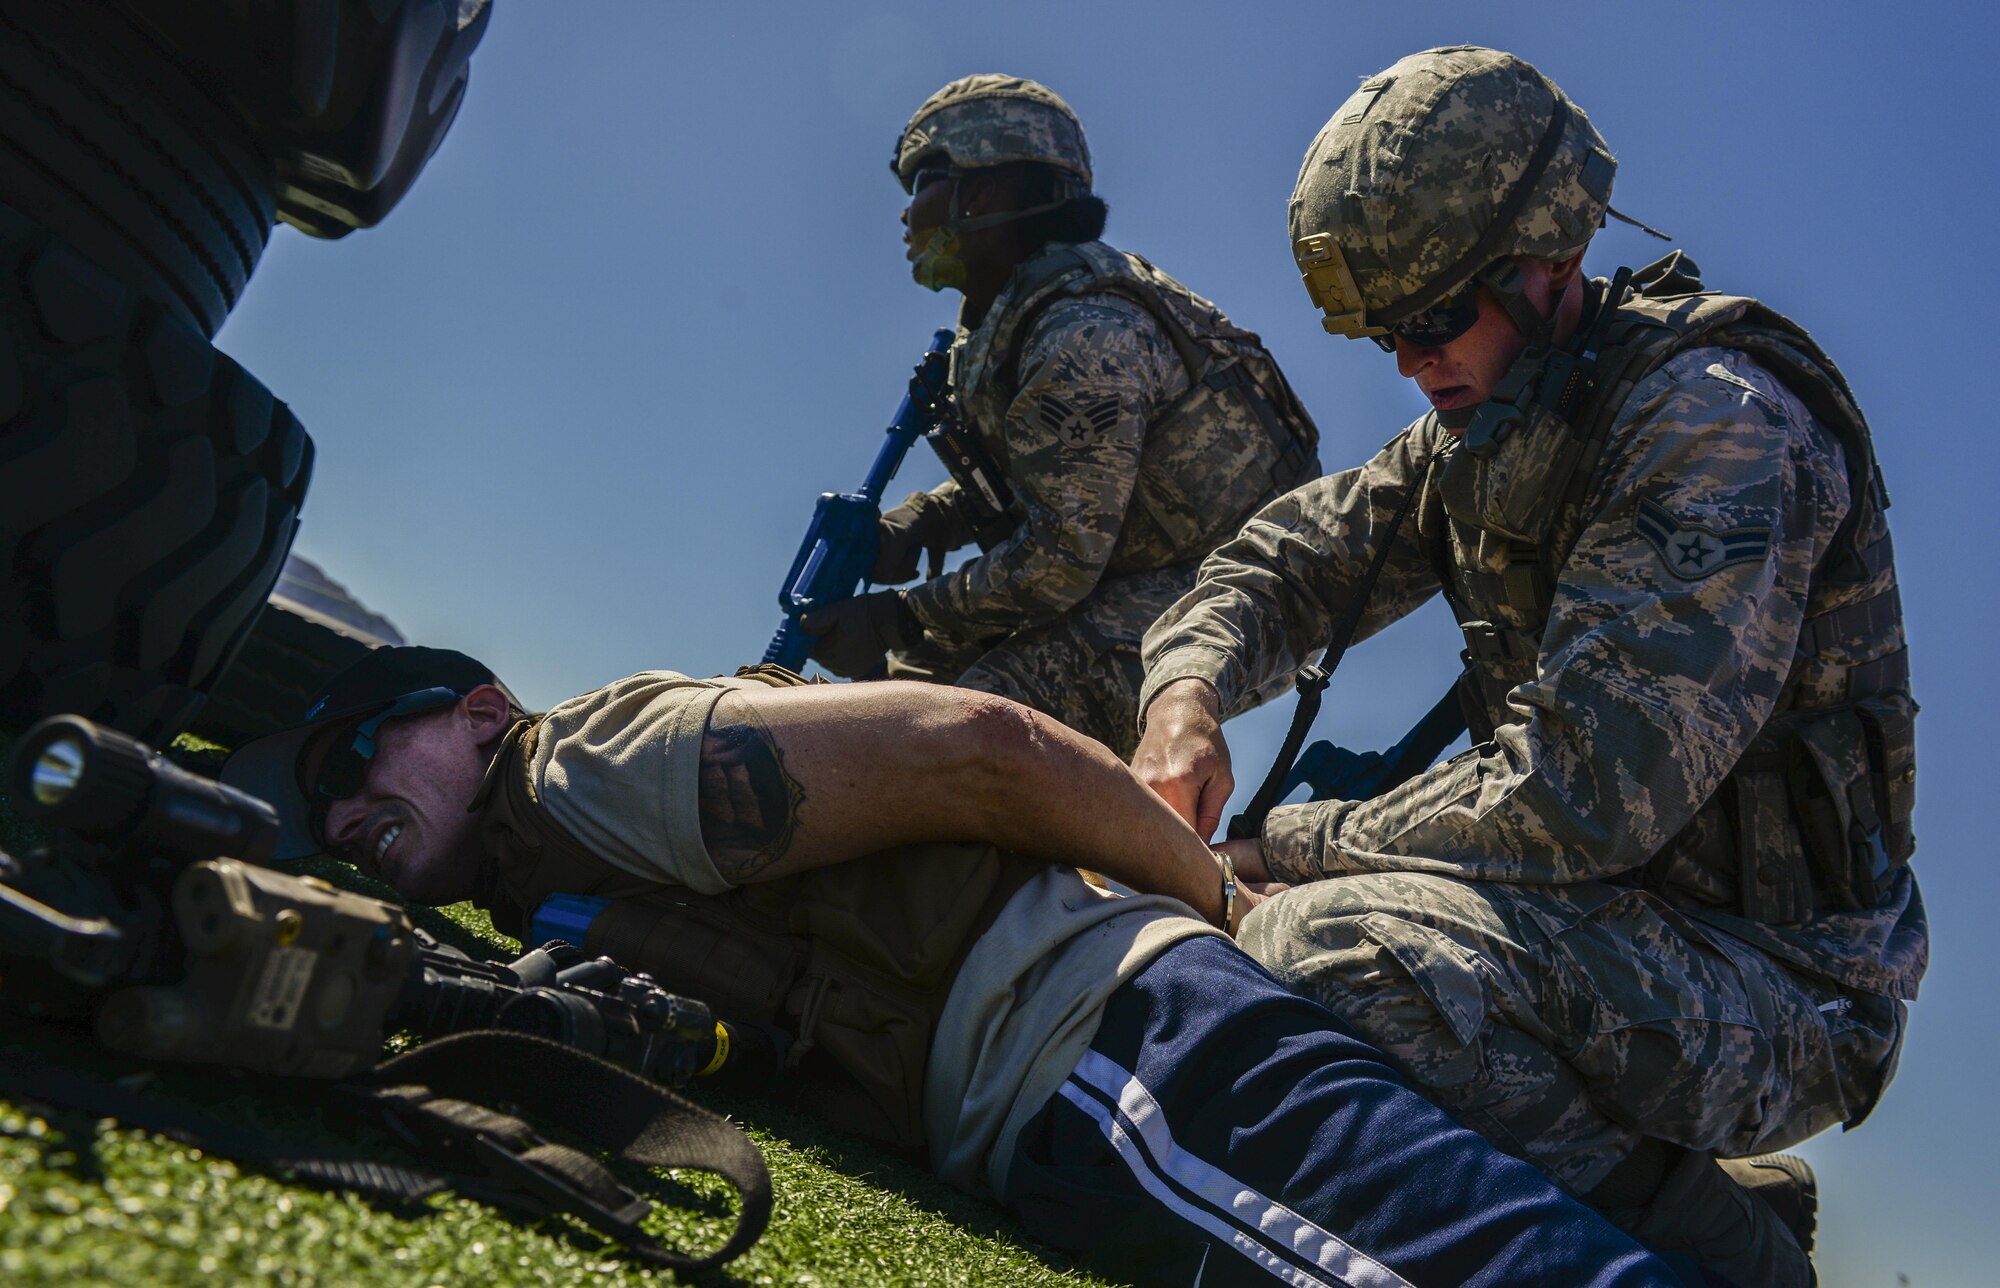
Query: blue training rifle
1335 773
839 549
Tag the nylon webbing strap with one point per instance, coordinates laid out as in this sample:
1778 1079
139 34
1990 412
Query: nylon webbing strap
62 1083
637 1120
499 1158
1312 678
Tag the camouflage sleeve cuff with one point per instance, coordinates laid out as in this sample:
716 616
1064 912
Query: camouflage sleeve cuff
931 606
1219 670
1297 839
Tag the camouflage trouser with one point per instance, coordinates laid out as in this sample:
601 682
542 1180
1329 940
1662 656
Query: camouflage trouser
1566 1022
1060 669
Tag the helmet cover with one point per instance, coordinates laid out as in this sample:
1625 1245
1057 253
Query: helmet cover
1447 161
989 120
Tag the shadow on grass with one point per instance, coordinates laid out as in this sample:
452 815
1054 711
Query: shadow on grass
301 1133
882 1168
70 1144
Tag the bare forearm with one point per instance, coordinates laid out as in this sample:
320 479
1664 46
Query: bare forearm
1067 797
800 778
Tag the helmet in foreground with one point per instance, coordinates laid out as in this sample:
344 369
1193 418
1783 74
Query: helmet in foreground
1431 176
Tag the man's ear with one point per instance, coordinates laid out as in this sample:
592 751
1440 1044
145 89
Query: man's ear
488 714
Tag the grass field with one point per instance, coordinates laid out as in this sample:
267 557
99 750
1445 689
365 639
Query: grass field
85 1202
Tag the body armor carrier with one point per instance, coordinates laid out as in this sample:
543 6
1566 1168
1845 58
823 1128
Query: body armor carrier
1234 440
1816 815
853 962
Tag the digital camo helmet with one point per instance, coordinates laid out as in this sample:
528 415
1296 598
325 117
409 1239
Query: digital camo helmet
990 120
1431 175
974 123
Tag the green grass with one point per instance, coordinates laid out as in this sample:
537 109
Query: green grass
84 1203
88 1202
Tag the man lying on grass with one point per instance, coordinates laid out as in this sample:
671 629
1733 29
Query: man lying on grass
888 873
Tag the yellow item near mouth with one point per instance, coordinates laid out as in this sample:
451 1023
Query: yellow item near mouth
936 264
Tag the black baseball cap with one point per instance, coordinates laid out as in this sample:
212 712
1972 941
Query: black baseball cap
268 767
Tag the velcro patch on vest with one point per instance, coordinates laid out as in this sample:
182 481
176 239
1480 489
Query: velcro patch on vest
1075 422
1691 551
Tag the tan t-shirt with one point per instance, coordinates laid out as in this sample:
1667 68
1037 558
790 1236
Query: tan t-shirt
619 769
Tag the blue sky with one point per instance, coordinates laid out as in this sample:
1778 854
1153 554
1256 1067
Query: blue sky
574 398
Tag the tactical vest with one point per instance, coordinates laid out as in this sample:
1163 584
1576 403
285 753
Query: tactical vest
1234 440
853 962
1816 814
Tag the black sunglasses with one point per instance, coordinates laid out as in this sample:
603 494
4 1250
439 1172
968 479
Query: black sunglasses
929 175
344 767
1438 325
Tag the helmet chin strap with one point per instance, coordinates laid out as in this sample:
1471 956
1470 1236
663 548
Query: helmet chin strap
1509 285
1066 192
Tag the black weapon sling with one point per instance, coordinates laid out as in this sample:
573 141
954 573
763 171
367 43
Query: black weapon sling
1312 678
434 1098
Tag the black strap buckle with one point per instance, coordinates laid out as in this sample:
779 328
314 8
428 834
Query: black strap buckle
1487 643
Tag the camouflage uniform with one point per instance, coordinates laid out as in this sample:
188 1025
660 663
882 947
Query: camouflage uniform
1607 919
1135 425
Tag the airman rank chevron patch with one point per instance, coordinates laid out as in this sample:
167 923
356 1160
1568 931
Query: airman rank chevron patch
1076 423
1692 552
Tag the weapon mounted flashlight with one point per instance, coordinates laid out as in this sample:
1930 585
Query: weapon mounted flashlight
55 772
72 773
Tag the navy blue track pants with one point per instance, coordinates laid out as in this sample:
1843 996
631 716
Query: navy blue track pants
1221 1130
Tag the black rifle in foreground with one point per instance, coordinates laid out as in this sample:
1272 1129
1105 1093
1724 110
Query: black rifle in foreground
151 919
137 918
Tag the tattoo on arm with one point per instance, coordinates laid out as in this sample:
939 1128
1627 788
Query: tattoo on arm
749 802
